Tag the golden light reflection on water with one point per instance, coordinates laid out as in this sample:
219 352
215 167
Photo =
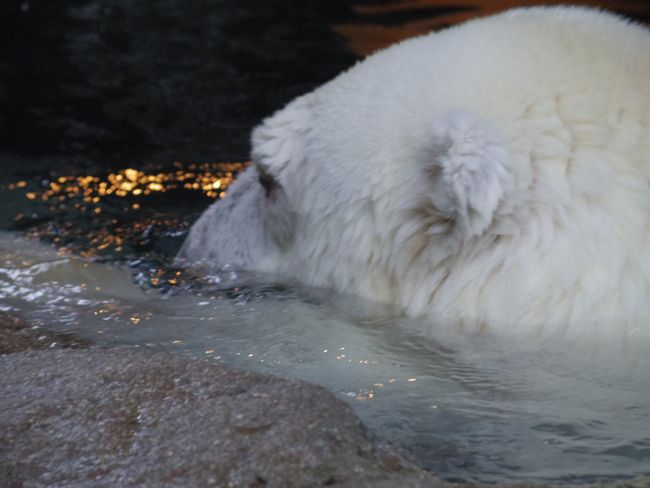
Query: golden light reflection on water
212 179
122 210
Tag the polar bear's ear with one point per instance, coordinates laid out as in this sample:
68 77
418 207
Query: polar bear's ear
468 169
279 140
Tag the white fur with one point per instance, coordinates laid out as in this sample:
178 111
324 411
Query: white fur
494 174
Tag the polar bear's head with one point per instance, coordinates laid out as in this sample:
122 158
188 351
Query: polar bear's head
466 173
338 195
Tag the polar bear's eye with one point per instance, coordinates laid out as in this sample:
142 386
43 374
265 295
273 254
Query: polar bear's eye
267 181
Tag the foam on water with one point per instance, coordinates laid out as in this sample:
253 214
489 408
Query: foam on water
467 407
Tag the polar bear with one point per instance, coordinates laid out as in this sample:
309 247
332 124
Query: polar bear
494 174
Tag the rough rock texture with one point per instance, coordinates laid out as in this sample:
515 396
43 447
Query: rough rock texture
124 417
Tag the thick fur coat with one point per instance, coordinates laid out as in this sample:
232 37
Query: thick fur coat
495 175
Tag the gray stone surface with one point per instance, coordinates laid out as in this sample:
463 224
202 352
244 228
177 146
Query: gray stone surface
125 417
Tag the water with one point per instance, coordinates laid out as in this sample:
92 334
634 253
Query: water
467 407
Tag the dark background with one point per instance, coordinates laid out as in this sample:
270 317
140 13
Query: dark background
122 81
97 83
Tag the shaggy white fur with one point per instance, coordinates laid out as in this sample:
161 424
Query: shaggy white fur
494 174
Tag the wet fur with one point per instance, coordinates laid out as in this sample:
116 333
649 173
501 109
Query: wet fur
494 174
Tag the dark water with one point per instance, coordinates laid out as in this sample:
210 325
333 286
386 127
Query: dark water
120 121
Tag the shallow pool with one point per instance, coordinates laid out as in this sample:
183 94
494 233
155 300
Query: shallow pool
467 407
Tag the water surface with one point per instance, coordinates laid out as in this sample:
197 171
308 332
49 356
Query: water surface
467 407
